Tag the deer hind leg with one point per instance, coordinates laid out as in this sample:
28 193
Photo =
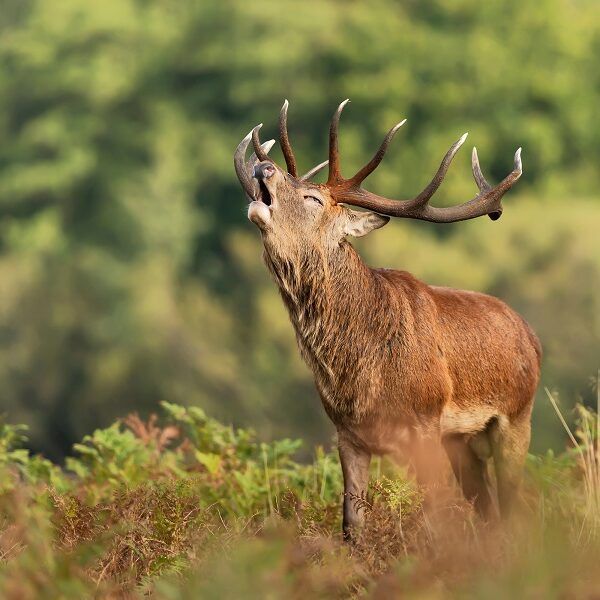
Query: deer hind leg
510 442
470 469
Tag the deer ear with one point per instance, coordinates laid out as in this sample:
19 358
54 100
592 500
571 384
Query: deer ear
360 223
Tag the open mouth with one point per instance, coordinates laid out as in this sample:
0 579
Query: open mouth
264 195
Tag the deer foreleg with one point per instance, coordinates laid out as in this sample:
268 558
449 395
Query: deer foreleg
355 468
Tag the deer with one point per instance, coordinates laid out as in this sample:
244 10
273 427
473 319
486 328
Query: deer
400 366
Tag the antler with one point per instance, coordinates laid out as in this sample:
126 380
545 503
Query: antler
244 169
288 153
348 191
316 169
284 141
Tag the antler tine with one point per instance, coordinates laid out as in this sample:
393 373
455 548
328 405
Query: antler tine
266 146
377 157
310 174
284 141
502 187
258 150
482 184
434 184
334 157
239 163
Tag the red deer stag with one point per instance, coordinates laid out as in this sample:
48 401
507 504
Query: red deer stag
395 361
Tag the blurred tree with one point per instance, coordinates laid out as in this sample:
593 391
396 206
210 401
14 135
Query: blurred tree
129 274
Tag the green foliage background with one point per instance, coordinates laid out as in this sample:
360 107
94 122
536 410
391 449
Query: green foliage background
128 271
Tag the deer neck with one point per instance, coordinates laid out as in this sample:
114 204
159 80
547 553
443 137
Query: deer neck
330 297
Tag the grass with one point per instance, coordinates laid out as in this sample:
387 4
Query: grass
186 507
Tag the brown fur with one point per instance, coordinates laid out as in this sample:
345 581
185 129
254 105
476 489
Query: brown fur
398 363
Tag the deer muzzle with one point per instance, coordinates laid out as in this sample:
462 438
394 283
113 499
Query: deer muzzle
264 170
258 211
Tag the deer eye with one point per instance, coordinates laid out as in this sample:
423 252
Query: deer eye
315 199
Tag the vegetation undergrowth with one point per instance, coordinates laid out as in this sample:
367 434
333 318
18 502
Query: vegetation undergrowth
185 507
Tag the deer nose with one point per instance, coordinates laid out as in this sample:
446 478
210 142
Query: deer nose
264 170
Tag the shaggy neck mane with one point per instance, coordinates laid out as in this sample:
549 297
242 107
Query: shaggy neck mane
319 287
332 298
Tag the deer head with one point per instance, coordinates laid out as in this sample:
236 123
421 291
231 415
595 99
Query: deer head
292 211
